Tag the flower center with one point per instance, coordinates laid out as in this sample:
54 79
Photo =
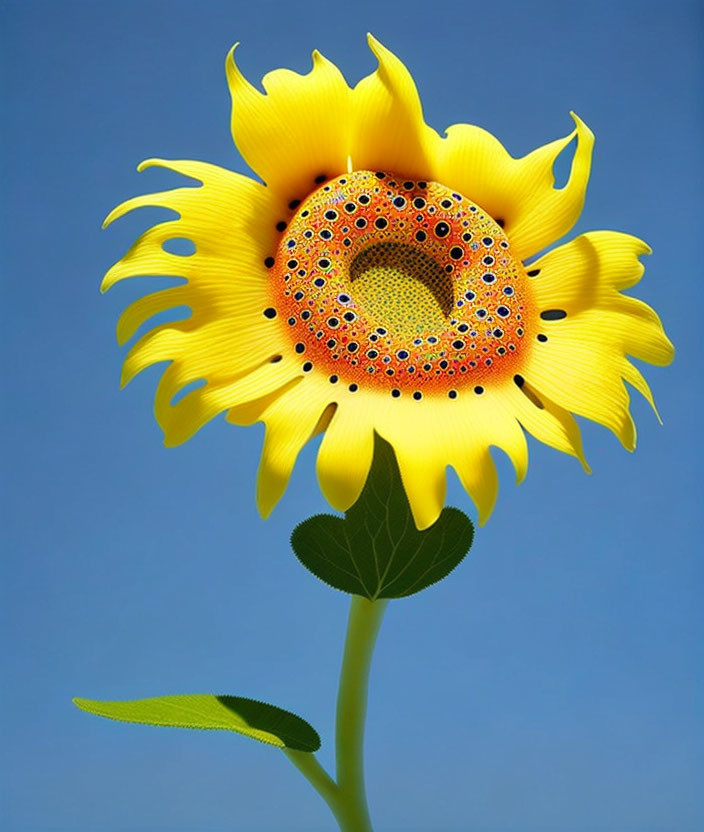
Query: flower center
401 285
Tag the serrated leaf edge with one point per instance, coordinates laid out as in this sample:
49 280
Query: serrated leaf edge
262 736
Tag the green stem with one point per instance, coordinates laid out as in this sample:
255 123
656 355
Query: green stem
347 797
315 774
362 629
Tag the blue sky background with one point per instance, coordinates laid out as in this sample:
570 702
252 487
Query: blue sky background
555 682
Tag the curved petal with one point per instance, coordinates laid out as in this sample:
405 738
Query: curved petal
229 218
290 420
431 435
581 362
389 131
181 420
479 424
228 342
519 192
146 307
345 454
296 132
544 420
586 382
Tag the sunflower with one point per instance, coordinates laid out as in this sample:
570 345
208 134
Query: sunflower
383 279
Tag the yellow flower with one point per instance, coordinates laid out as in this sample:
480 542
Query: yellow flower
377 283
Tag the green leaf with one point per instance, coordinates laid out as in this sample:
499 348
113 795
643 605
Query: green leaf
254 719
376 550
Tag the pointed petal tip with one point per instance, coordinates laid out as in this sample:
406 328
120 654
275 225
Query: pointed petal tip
377 47
232 71
424 523
230 57
484 512
148 163
579 456
111 217
424 517
269 491
336 500
338 493
265 506
582 129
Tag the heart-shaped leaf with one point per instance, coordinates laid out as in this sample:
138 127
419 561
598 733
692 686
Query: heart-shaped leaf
254 719
376 550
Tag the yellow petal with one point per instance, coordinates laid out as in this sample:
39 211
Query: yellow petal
472 426
547 422
430 435
215 350
477 473
299 130
586 380
230 219
519 192
146 307
290 422
635 378
181 420
424 481
345 454
415 437
227 343
389 130
582 364
588 271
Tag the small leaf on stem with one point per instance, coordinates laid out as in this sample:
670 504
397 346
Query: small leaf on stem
249 717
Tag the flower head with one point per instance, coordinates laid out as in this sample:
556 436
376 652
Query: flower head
377 282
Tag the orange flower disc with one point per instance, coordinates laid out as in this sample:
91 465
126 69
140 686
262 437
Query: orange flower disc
401 285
